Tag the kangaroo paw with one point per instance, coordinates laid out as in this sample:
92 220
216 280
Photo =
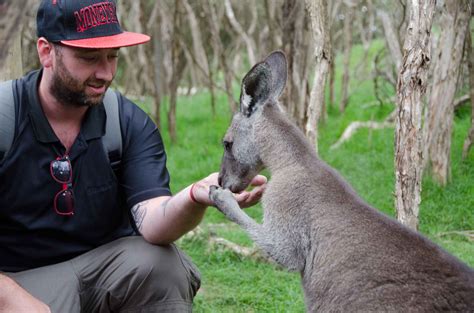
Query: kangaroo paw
225 202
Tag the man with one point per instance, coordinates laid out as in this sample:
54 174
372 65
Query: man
69 222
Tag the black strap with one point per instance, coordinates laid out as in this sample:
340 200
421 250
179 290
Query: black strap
7 117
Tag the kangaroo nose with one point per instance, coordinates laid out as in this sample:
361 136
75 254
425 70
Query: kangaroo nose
219 179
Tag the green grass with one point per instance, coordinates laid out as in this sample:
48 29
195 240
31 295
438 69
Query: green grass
231 283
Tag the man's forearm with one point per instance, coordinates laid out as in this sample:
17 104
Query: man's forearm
165 219
14 298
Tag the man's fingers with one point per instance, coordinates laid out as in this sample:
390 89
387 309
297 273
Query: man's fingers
258 180
242 197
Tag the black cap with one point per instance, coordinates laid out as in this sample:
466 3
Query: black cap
84 24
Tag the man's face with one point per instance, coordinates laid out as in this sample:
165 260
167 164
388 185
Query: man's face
81 76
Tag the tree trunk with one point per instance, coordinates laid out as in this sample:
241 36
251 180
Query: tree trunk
179 64
11 15
454 23
411 86
12 18
470 59
12 66
250 45
295 97
157 78
274 35
348 23
219 52
391 38
200 57
153 27
317 10
332 78
333 11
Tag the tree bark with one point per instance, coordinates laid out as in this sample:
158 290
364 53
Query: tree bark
348 23
179 64
250 45
411 86
274 35
391 38
10 17
295 97
317 10
332 12
470 59
454 22
198 48
12 65
153 26
219 53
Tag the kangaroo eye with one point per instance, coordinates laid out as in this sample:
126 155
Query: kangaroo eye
227 145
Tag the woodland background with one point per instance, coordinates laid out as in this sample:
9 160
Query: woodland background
384 89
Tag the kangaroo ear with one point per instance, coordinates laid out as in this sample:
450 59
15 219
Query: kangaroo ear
255 88
279 69
265 81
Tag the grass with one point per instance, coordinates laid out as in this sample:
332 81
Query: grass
231 283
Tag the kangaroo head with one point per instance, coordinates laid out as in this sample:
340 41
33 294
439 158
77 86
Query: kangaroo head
262 86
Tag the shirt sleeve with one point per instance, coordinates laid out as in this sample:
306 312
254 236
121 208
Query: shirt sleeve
143 172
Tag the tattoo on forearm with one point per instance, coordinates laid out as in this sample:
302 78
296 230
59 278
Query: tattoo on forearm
138 213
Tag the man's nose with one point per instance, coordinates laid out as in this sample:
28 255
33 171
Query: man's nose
105 70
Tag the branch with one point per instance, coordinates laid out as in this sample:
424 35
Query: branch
355 126
238 28
460 101
215 241
469 234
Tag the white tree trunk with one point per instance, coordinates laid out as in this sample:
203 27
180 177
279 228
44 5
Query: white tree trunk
317 10
411 86
470 59
391 38
348 24
238 28
12 64
454 23
11 21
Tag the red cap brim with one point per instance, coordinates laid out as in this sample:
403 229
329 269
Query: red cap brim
124 39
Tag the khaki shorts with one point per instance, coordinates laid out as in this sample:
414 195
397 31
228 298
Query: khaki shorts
126 275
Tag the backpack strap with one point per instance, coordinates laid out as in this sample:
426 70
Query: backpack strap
112 140
7 117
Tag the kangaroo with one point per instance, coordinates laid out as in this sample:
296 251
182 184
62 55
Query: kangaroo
352 258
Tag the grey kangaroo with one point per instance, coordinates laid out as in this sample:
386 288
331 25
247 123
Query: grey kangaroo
351 257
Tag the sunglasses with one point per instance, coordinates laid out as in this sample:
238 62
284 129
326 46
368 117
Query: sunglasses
61 171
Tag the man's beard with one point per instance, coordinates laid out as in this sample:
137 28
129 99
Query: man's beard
70 91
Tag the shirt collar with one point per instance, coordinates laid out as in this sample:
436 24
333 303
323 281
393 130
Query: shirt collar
93 125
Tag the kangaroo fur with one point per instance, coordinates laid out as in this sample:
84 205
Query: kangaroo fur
352 258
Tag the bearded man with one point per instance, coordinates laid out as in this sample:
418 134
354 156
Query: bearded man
76 234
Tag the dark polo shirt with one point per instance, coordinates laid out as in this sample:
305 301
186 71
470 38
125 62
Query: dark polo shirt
31 233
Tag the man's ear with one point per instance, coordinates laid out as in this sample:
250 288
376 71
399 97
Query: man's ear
264 82
45 52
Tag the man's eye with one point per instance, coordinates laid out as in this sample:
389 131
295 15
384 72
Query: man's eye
88 58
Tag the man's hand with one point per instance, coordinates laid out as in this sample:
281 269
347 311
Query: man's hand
13 298
245 198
